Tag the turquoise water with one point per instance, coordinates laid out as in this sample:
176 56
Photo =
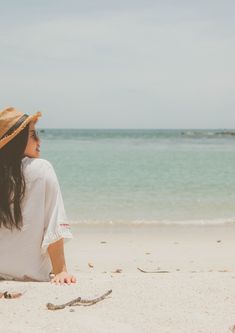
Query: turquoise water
144 176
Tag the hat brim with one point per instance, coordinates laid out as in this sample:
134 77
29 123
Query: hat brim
11 136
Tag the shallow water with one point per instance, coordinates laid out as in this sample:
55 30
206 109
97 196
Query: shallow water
144 176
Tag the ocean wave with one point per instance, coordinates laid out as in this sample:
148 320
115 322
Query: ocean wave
199 222
207 134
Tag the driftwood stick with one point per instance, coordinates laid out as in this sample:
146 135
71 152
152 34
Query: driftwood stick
78 301
143 271
51 306
86 302
7 294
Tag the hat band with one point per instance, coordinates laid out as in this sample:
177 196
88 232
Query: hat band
15 126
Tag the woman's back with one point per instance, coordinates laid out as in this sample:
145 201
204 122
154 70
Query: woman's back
23 252
33 224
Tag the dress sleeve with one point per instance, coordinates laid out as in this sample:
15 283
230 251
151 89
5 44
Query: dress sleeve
56 224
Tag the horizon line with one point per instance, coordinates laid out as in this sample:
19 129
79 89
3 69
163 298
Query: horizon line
158 129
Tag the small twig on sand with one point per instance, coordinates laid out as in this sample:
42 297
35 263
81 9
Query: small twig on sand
118 270
6 294
78 301
143 271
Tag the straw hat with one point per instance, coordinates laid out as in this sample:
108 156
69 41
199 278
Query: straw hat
12 122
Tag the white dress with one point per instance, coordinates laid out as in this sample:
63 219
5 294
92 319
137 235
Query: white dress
23 254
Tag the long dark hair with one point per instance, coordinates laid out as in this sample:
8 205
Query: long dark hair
12 182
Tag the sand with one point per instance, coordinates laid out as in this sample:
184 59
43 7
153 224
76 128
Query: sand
196 296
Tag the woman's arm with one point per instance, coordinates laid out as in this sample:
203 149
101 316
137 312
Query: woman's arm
56 253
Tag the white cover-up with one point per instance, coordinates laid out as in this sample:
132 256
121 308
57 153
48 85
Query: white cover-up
23 254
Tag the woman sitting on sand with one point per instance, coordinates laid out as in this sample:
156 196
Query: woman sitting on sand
33 223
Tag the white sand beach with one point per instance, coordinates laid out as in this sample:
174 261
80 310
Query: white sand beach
197 295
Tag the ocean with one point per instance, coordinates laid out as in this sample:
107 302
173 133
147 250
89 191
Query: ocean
144 176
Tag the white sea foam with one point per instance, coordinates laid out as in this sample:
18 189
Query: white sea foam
200 222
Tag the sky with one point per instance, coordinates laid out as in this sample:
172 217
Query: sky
120 64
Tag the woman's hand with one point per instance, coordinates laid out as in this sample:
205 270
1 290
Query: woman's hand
63 278
56 253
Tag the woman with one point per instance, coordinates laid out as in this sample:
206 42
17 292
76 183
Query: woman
33 223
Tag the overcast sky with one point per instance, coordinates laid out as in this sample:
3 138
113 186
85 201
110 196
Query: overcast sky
120 64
